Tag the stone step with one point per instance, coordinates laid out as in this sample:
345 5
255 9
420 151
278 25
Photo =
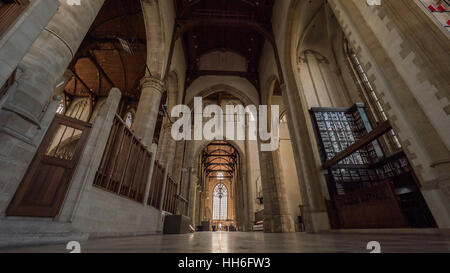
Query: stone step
29 239
21 231
258 227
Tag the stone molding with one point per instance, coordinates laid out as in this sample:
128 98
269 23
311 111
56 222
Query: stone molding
153 83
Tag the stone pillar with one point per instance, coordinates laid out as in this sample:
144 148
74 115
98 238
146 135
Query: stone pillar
198 219
311 180
148 109
150 175
251 195
167 149
243 199
192 195
202 207
163 193
22 126
15 43
276 215
91 158
178 163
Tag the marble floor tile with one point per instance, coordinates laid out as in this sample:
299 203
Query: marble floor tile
239 242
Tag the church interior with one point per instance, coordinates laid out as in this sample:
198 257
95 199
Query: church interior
87 152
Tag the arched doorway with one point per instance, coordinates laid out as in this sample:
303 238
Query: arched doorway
220 187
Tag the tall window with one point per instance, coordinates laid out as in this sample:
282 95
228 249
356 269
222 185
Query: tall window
371 98
61 107
78 111
220 202
129 119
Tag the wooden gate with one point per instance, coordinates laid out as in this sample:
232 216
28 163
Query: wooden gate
47 180
373 207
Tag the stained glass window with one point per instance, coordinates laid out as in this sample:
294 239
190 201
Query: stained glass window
78 110
129 118
61 107
220 202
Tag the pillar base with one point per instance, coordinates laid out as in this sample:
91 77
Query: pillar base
438 200
278 224
318 222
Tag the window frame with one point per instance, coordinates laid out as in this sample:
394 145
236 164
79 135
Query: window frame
222 215
390 142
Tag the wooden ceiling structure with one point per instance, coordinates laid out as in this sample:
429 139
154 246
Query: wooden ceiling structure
219 160
102 62
238 26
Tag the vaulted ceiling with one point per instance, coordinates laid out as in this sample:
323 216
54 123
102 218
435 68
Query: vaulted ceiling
219 160
101 61
238 26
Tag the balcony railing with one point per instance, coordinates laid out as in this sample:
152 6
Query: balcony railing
170 196
125 165
156 188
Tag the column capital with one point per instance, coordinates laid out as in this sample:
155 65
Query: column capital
154 83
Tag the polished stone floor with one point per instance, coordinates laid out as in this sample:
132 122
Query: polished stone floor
238 242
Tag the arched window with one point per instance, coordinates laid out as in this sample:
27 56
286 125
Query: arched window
220 202
283 118
369 95
78 110
129 119
61 107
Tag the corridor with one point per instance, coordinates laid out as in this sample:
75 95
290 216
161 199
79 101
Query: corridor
143 117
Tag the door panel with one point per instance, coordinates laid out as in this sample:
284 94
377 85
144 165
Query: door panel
47 180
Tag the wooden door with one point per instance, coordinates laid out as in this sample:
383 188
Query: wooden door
47 180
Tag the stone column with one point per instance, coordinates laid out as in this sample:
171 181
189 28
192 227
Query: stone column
251 195
276 215
22 126
15 42
163 193
198 220
162 142
178 163
167 149
193 197
311 180
150 175
148 109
